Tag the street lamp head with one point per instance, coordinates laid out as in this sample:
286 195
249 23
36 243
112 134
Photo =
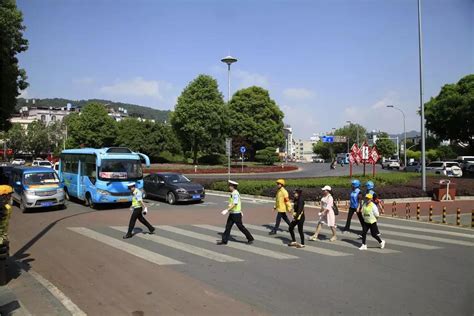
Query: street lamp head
229 60
390 106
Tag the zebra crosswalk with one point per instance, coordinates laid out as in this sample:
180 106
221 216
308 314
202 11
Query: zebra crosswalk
177 245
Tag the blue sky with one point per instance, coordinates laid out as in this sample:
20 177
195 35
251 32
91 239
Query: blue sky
324 62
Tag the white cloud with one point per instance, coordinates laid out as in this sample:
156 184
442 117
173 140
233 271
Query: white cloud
137 87
389 98
298 94
246 79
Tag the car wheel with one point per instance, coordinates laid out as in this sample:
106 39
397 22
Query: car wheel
171 198
89 201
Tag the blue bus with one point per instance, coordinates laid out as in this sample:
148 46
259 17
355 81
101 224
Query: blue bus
98 176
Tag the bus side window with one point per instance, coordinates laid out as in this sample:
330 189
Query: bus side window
89 171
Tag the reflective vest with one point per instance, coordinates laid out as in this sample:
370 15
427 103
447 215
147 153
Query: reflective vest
355 198
368 213
136 198
282 202
238 207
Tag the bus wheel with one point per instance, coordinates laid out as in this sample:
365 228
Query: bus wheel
89 201
171 198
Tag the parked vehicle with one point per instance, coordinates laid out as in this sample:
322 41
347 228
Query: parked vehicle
446 168
414 166
342 158
42 163
18 162
465 161
99 176
470 169
318 160
173 187
35 187
391 164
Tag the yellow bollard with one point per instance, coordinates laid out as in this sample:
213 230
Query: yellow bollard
418 212
430 217
394 209
444 214
458 216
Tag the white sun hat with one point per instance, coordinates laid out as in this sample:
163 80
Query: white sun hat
233 182
326 188
131 184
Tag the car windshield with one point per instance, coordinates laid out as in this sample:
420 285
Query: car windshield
435 164
44 163
112 169
176 178
40 178
452 164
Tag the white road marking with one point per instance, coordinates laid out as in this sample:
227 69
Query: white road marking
427 230
425 237
247 248
209 254
321 251
58 294
125 246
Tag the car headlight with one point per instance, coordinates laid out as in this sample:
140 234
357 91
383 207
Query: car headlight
103 192
30 192
181 190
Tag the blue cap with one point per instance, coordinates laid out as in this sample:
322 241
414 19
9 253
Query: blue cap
369 185
355 183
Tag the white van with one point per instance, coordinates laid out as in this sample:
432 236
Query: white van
465 161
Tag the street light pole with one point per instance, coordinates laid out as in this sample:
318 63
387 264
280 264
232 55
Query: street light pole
229 60
422 106
404 133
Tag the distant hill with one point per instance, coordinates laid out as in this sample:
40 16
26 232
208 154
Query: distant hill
132 109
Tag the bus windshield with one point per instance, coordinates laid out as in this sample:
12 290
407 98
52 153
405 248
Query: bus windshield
112 169
41 178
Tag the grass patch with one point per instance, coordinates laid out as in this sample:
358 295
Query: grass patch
257 187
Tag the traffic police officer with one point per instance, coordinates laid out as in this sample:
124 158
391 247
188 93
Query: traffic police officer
282 205
355 199
235 215
138 209
5 211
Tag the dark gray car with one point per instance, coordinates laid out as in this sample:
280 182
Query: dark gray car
172 187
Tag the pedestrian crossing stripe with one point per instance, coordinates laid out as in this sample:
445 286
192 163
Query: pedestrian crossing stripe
335 243
422 237
318 250
209 254
125 246
238 246
408 244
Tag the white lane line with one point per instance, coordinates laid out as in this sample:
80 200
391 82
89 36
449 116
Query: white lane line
126 247
335 243
247 248
274 241
403 243
426 230
247 199
58 294
209 254
425 237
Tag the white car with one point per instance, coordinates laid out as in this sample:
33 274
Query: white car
318 160
391 164
445 168
18 162
42 163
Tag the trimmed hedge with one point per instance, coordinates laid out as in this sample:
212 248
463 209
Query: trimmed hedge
213 159
267 187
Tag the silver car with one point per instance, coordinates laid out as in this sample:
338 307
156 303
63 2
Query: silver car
445 168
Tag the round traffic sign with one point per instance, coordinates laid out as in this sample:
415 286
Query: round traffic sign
243 149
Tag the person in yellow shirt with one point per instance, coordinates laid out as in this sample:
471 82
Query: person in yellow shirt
5 212
282 205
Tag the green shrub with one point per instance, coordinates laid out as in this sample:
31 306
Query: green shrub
212 159
267 156
167 157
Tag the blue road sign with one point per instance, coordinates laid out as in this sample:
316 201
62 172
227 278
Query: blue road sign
327 139
243 149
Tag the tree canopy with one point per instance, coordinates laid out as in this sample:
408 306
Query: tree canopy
12 77
256 119
93 127
450 115
200 117
386 147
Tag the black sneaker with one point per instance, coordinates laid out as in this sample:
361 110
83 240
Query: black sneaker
152 231
272 232
249 242
222 242
127 236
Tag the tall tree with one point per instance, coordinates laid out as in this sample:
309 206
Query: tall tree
92 128
12 77
199 118
386 147
256 119
17 140
450 115
38 138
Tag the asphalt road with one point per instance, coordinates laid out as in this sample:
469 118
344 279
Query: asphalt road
425 269
306 170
